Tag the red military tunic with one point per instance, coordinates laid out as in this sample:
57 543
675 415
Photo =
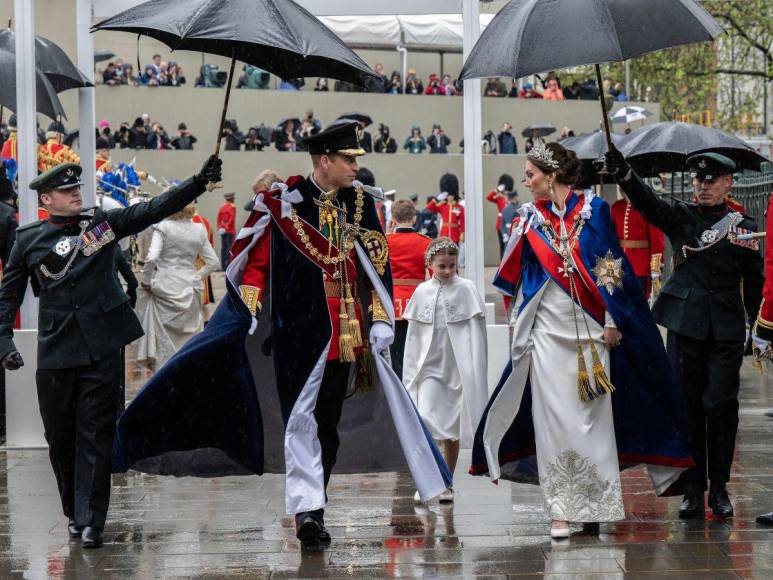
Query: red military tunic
501 201
10 147
642 242
54 153
453 219
764 326
226 218
407 251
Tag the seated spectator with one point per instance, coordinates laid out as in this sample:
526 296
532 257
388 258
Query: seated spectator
184 138
413 85
127 76
162 76
254 141
513 94
321 86
395 86
553 92
158 138
434 87
438 142
174 75
291 84
495 88
156 64
149 78
384 143
288 138
233 137
415 143
618 93
528 92
449 85
138 135
111 76
506 140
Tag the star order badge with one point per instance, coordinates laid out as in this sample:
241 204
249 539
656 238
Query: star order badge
609 272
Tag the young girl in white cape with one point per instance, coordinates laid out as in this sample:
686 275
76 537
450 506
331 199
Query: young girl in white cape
444 367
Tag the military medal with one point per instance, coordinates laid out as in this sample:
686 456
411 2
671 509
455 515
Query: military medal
96 238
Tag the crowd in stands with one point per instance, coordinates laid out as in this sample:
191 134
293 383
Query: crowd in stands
156 74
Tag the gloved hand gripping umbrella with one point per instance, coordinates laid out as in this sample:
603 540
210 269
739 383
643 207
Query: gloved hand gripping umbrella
277 36
533 36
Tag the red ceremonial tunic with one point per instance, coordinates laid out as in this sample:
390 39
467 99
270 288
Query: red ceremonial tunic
10 147
226 218
407 251
52 154
640 240
764 327
501 201
453 218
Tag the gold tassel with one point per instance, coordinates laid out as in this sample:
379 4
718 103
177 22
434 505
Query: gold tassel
354 324
345 342
584 387
603 384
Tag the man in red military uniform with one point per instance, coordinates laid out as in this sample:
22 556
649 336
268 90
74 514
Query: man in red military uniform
10 147
226 227
209 296
642 243
500 197
407 252
446 205
55 152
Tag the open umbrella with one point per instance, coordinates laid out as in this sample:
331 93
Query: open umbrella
102 54
665 147
283 123
590 146
359 117
532 36
277 36
544 129
629 115
51 60
47 103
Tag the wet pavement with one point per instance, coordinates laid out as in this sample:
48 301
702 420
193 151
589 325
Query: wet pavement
236 527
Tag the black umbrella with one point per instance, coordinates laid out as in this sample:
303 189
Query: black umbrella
665 147
359 117
283 123
590 146
102 54
532 36
50 59
277 36
544 129
47 103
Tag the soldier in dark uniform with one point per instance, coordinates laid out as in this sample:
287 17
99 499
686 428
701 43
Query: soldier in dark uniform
84 320
702 307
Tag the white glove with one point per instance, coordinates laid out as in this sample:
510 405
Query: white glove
443 196
655 275
221 231
762 345
381 336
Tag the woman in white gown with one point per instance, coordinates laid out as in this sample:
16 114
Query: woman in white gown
572 290
169 304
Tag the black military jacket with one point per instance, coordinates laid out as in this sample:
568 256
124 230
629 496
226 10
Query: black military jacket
702 295
85 315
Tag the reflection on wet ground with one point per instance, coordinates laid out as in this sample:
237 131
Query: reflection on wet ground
236 528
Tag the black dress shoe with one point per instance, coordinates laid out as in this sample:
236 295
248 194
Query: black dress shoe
765 519
719 502
91 537
591 528
324 537
73 530
308 530
692 506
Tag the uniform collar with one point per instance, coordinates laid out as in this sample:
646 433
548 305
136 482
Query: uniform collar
61 220
403 230
714 210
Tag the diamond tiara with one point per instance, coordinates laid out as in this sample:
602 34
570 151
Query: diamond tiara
438 246
543 155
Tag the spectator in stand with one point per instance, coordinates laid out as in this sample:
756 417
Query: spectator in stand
434 87
150 77
321 86
288 138
226 227
366 140
571 92
553 91
156 64
138 135
499 197
384 143
489 143
254 140
513 94
158 138
528 92
111 76
162 76
618 93
495 88
307 129
122 135
291 84
174 75
145 120
438 142
106 133
184 138
253 78
315 123
506 140
533 140
565 133
415 143
127 76
449 85
395 86
380 85
413 85
233 137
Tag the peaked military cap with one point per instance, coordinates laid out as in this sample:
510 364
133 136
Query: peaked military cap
340 138
64 176
710 165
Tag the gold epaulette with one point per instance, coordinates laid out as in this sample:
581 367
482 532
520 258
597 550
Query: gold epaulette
251 297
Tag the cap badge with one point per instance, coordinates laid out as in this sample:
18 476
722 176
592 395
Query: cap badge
702 164
70 173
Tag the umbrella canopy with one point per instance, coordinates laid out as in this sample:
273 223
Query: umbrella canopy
277 36
665 147
102 54
629 115
517 44
283 123
544 129
590 146
51 60
48 102
359 117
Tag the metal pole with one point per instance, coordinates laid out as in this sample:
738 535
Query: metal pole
27 134
473 156
628 79
86 107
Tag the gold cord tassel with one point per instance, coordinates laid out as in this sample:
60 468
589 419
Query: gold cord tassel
584 387
345 342
603 384
354 324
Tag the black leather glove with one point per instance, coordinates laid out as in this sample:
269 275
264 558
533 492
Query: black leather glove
131 292
211 172
616 165
12 361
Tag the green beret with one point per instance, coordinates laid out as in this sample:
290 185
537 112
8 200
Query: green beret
710 165
64 176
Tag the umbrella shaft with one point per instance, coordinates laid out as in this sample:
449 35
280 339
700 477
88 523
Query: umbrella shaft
603 107
225 103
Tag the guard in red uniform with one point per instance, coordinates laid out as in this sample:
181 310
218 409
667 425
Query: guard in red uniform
11 146
642 243
407 251
446 205
55 152
226 227
500 197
